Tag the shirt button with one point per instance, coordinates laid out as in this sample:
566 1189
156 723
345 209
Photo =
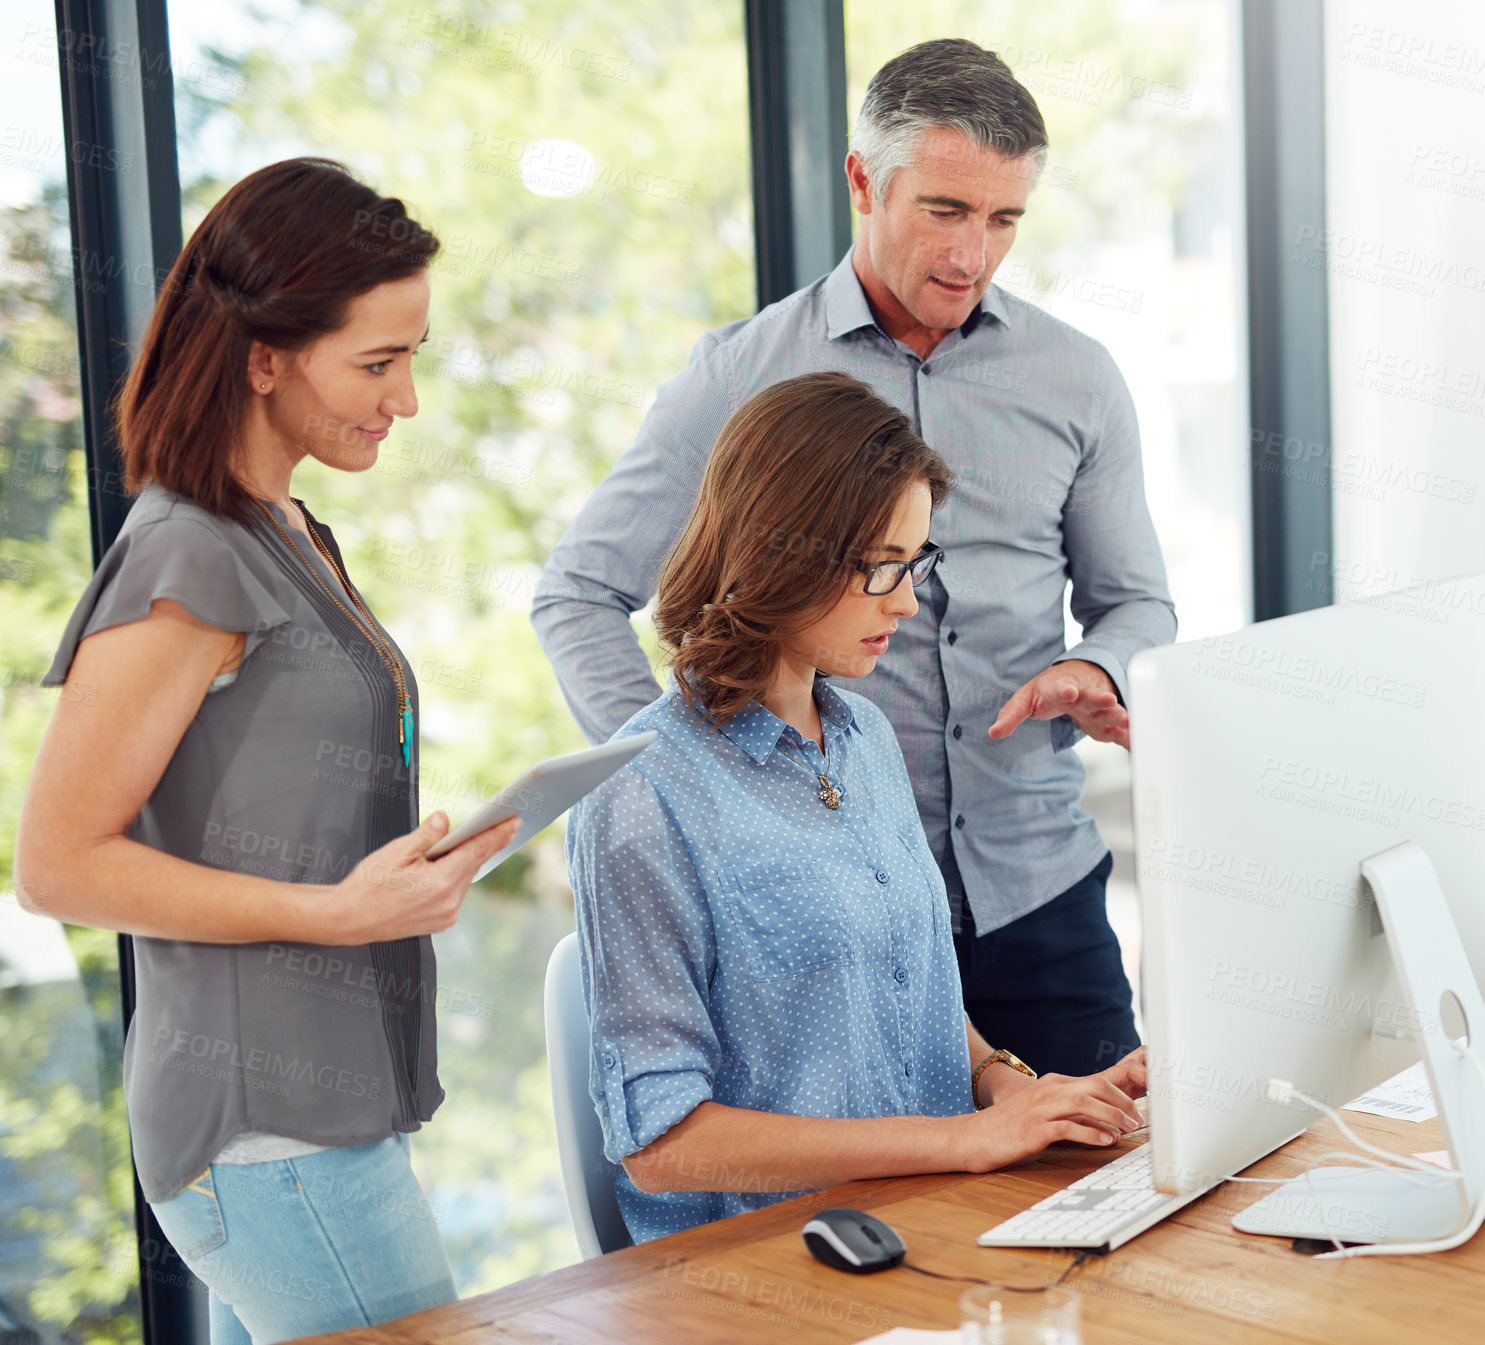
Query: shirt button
927 368
900 976
953 636
608 1061
959 822
881 875
908 1071
958 730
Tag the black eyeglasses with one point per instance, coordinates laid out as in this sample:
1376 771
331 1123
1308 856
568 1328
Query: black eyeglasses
885 575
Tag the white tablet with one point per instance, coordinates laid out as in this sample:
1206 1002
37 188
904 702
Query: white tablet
541 795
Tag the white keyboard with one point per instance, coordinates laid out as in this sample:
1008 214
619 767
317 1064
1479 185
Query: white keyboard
1102 1210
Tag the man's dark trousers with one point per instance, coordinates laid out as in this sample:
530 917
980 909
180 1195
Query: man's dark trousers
1050 987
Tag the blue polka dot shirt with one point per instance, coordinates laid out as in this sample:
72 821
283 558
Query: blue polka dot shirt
741 942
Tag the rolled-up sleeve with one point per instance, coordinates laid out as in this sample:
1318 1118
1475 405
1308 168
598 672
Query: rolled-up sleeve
648 953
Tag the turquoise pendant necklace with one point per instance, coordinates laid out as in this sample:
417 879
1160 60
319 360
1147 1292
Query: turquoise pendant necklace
367 627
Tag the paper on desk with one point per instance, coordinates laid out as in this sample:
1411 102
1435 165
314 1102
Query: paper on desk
911 1335
1406 1096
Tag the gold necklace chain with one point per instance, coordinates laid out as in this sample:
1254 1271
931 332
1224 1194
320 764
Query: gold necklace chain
367 627
829 794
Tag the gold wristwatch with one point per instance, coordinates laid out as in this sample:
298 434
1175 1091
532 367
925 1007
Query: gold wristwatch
1000 1057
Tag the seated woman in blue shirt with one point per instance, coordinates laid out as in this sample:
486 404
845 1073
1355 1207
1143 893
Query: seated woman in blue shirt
766 950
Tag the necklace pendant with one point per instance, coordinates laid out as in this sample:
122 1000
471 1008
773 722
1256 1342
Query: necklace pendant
829 795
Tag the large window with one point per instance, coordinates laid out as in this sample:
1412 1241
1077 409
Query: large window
69 1266
1133 235
586 166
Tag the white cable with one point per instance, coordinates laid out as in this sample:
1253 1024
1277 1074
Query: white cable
1401 1165
1320 1165
1471 1227
1282 1090
1441 1176
1412 1170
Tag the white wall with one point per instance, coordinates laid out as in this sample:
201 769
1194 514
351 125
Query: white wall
1405 105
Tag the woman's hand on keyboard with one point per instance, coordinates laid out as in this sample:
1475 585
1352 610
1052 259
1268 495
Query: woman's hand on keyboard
1128 1076
1092 1110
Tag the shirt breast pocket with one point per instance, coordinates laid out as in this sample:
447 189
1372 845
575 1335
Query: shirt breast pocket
916 846
775 931
921 864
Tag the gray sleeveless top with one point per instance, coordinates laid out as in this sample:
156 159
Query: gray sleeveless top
291 770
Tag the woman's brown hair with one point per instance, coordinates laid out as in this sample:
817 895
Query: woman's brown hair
278 260
803 481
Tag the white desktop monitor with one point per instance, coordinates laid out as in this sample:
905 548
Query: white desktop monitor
1267 766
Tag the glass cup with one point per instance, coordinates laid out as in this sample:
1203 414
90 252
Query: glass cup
1002 1314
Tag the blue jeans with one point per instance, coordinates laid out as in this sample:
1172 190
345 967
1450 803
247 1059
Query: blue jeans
301 1246
1050 987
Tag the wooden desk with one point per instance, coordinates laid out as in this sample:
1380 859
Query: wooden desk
1190 1279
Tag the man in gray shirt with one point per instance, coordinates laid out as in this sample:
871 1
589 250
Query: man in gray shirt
1036 421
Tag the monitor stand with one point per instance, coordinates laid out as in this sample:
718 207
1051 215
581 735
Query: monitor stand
1365 1204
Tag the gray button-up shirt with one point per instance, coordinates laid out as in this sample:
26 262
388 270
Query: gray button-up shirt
1037 422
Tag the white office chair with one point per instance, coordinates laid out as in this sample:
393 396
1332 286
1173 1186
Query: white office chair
587 1176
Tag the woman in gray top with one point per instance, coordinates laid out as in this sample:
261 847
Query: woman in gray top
232 774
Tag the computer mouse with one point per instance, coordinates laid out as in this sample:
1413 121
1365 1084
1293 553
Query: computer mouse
854 1241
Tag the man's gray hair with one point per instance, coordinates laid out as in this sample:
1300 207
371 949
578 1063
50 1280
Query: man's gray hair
948 82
